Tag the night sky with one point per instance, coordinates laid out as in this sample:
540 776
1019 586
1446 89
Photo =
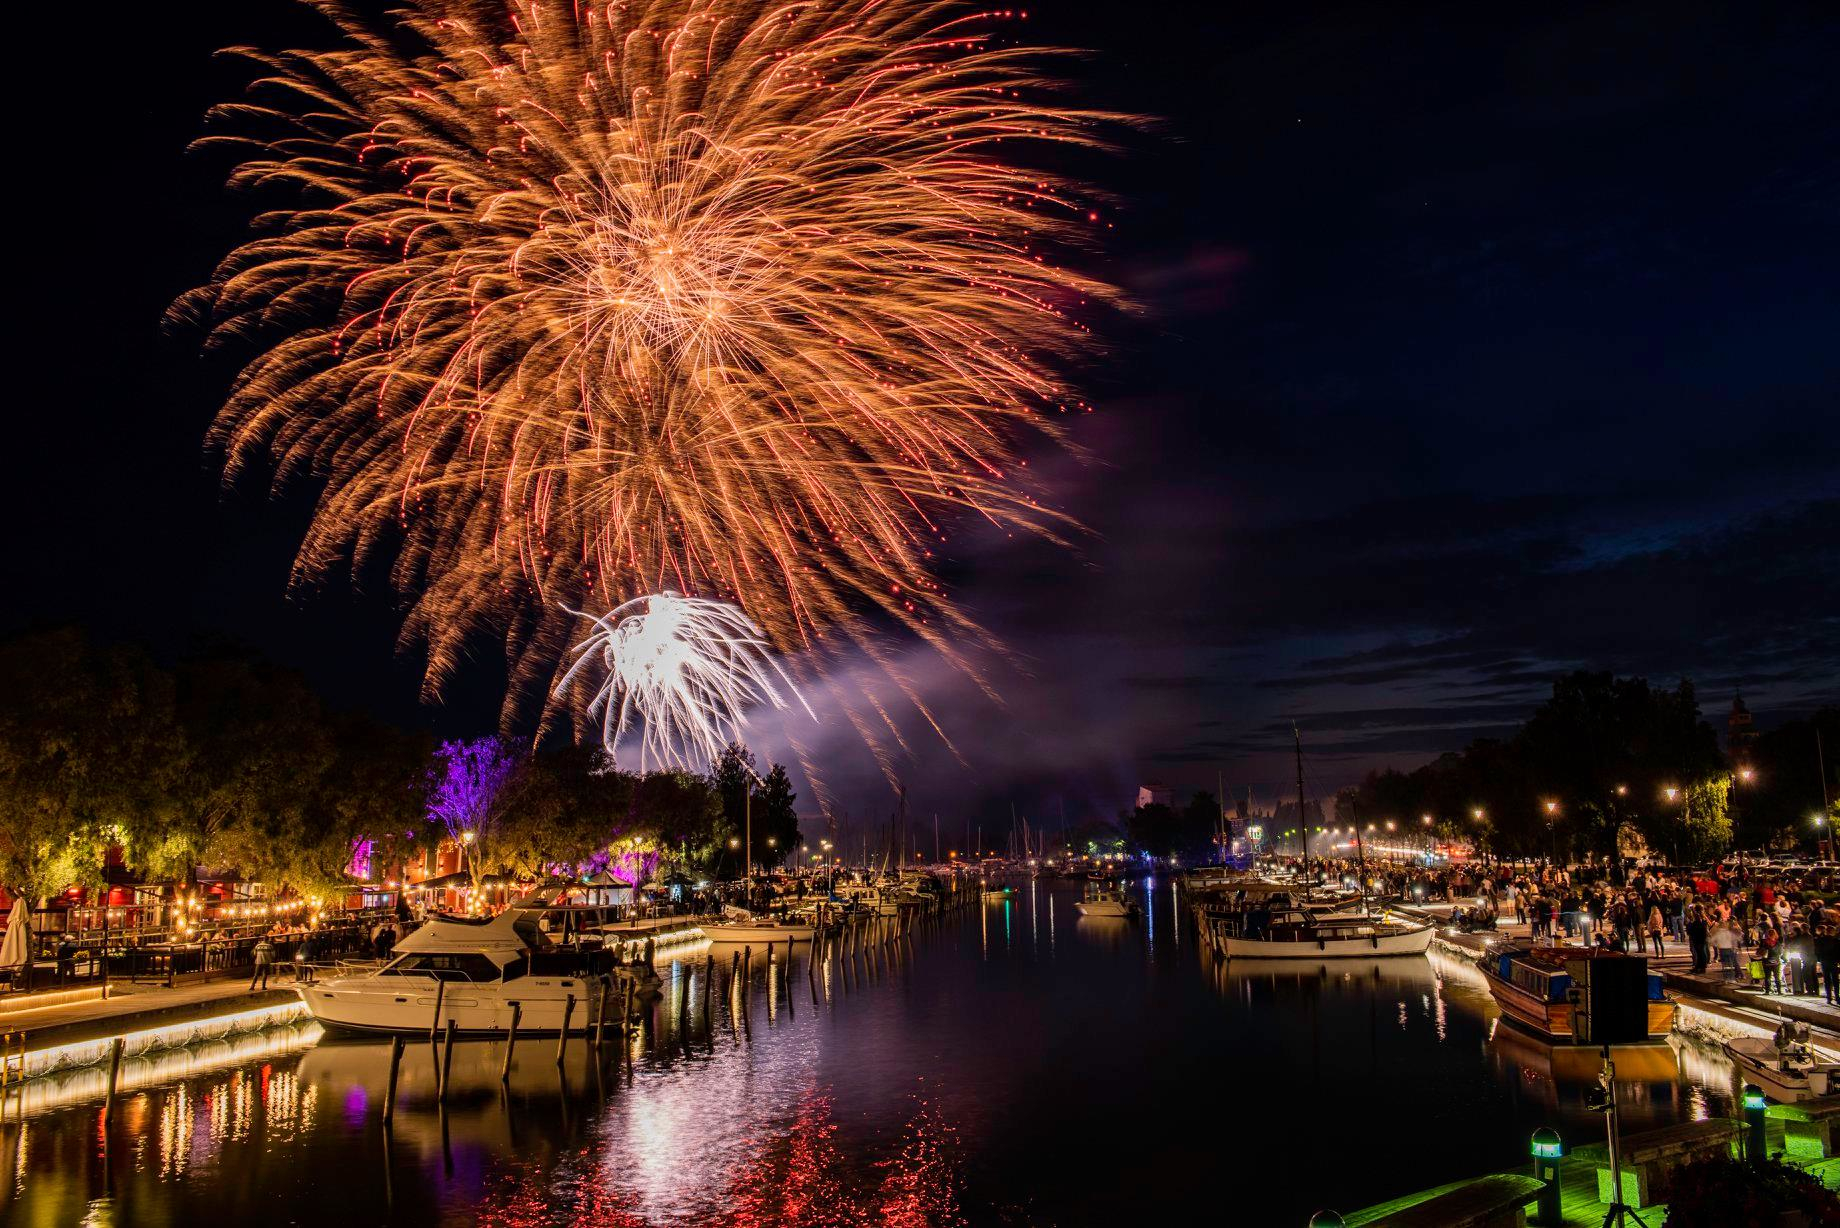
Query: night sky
1475 345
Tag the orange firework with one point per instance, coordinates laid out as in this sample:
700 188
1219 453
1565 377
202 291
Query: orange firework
576 302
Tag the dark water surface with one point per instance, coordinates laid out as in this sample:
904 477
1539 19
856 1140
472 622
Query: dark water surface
1012 1064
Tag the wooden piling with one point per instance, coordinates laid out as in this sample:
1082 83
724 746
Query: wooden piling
600 1020
389 1091
562 1036
108 1105
447 1062
504 1071
434 1024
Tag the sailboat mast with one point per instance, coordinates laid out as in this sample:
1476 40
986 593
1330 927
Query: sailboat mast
1303 825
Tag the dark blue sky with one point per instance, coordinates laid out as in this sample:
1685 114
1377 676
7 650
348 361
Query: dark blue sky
1476 345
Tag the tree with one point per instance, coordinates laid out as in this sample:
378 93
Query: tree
776 823
472 787
88 753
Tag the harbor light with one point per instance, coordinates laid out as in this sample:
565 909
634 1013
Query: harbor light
1327 1219
1755 1149
1547 1150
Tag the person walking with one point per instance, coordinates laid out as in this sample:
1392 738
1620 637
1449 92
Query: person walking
265 959
1724 940
1656 927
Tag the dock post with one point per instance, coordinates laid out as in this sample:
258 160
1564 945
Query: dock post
747 964
389 1091
1755 1149
504 1073
447 1061
434 1024
562 1037
600 1020
709 985
108 1105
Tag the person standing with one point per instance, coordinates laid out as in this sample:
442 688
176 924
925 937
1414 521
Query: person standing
1656 927
1827 955
1696 938
265 958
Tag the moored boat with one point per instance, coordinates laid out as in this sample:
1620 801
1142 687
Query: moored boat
1104 901
1293 933
740 926
476 974
1533 987
1786 1067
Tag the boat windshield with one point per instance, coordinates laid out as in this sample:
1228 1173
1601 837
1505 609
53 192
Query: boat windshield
444 967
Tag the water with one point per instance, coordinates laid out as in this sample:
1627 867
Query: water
1015 1064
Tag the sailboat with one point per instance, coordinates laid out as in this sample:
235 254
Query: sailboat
1296 932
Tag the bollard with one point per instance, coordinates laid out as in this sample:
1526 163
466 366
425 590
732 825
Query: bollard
504 1073
389 1092
1754 1147
1547 1151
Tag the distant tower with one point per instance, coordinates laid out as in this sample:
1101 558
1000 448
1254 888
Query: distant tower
1739 733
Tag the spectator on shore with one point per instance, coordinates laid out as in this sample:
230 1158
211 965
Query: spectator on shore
265 958
1696 938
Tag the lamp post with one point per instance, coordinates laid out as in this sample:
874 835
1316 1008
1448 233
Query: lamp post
830 868
1552 832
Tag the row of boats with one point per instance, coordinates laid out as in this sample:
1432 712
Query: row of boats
545 966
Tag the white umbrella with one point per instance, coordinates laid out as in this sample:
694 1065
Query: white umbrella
13 947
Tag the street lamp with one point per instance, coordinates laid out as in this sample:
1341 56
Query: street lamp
1552 832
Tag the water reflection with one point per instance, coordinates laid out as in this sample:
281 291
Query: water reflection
974 1072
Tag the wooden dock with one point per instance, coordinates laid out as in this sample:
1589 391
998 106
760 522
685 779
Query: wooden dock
1578 1192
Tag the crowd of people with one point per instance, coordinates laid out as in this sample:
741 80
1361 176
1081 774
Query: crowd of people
1772 930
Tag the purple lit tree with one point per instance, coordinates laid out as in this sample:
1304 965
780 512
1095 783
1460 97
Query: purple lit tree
471 788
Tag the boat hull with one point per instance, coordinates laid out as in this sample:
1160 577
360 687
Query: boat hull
1368 946
1106 908
726 934
1553 1020
362 1005
1753 1060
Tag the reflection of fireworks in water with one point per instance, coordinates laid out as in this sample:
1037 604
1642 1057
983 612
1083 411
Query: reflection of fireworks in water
686 668
798 1178
577 298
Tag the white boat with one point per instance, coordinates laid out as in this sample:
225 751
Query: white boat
1106 902
470 972
1293 934
1787 1068
740 926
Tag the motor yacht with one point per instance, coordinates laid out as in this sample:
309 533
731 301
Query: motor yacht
476 973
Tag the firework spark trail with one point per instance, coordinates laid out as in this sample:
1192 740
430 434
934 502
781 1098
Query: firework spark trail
574 303
686 669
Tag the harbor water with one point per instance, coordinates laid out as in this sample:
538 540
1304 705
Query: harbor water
1009 1064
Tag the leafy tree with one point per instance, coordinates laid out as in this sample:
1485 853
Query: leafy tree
776 823
472 788
88 752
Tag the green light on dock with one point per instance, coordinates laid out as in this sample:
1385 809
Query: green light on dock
1753 1096
1546 1144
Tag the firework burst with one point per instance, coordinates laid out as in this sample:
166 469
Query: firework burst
686 669
575 302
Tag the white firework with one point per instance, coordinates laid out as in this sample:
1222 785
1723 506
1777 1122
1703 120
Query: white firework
686 669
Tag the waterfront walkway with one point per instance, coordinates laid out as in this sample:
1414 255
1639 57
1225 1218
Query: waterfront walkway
1676 965
132 1007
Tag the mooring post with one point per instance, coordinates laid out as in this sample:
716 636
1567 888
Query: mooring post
389 1091
517 1011
562 1037
434 1024
447 1061
600 1020
108 1105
